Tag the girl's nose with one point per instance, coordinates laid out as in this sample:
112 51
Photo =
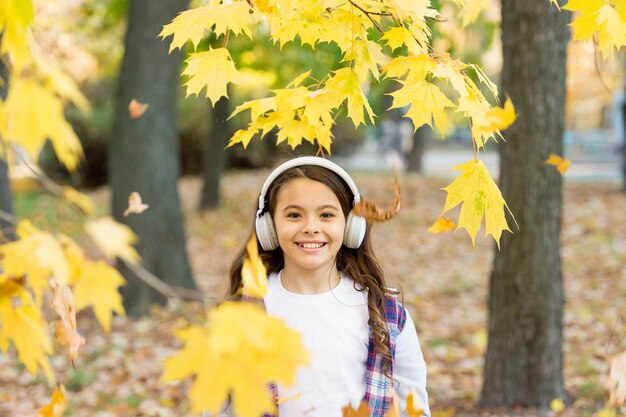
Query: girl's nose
311 227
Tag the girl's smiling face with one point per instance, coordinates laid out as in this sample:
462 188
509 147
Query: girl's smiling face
309 224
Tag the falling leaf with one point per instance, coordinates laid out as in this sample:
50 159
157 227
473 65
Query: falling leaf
98 288
372 213
240 351
616 383
57 404
414 406
561 164
480 197
136 109
65 329
442 225
253 273
113 238
362 411
557 405
135 205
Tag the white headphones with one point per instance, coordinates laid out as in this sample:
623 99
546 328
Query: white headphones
264 225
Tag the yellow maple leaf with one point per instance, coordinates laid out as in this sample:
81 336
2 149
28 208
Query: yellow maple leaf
441 226
192 24
492 122
480 197
15 19
427 102
212 69
24 325
113 238
56 406
80 200
65 329
560 163
416 68
74 255
243 136
606 19
17 262
398 36
34 115
253 273
366 56
239 353
472 9
345 84
98 288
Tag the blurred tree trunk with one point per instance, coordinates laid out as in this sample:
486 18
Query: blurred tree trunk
214 156
420 137
144 152
7 227
524 359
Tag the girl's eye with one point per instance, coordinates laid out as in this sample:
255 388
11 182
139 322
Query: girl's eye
327 215
293 215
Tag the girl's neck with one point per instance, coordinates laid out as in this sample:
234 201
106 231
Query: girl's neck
309 282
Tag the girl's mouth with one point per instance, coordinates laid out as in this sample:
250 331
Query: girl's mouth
311 245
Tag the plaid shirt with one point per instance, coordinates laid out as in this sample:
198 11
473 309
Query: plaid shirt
378 386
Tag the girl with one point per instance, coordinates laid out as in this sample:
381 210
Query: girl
326 283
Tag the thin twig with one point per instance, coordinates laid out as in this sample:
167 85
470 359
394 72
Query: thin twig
367 14
596 54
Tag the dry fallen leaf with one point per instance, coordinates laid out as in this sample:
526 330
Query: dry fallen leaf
136 109
362 411
372 213
65 329
616 384
442 225
135 205
561 164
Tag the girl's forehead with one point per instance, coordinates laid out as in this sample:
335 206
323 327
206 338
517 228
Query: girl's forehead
305 190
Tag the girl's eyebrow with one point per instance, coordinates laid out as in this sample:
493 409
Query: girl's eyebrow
324 207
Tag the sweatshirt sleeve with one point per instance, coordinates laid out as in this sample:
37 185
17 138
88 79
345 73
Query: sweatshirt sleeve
409 369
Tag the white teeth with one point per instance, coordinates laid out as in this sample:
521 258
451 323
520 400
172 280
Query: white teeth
311 245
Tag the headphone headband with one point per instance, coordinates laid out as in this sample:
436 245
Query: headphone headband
307 160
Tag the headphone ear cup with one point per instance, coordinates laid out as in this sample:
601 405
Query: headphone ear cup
355 231
265 231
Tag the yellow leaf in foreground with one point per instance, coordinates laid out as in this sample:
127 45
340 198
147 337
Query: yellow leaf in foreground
253 273
97 287
35 115
616 383
346 83
212 69
414 406
57 404
113 238
24 325
561 164
65 329
480 197
239 353
80 200
442 225
362 411
427 102
192 24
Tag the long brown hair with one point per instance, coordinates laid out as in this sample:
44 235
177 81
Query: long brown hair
358 264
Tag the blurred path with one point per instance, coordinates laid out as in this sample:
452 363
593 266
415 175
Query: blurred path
439 162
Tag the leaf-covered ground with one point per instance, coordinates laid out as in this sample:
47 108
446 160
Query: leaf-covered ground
444 279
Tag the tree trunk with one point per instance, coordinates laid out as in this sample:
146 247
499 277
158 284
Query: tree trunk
7 227
420 137
524 359
144 152
214 157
